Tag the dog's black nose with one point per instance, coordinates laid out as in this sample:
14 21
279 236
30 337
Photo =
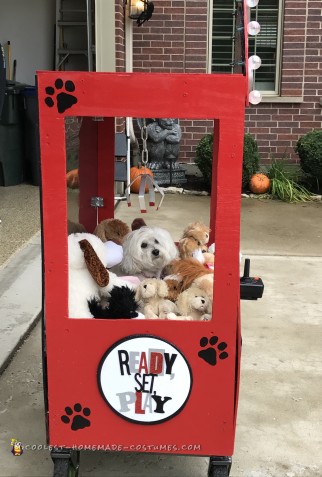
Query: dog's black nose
145 286
155 252
203 302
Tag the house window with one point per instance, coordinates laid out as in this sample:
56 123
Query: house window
266 44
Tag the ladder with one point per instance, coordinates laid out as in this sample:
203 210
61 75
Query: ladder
74 45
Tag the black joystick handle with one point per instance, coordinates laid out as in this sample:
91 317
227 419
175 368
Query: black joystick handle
246 268
251 288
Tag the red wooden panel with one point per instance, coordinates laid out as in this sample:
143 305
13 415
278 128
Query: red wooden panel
106 138
138 95
88 172
96 170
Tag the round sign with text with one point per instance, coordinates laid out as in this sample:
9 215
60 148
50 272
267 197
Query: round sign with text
145 379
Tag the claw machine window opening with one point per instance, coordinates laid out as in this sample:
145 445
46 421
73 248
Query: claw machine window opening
191 291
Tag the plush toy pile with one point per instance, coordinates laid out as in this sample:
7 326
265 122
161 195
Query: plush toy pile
139 272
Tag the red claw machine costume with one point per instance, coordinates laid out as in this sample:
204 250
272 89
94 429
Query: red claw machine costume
156 386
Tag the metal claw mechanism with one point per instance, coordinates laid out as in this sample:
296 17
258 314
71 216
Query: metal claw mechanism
146 181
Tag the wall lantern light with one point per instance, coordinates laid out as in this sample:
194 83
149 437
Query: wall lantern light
136 7
140 10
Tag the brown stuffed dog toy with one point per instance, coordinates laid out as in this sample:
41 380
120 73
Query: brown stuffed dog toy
194 237
137 223
74 227
175 287
113 230
193 273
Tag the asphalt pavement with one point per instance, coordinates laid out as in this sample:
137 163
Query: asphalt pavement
279 419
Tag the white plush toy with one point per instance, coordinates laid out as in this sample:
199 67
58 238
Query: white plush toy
87 274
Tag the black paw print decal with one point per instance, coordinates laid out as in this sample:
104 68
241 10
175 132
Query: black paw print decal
215 350
64 100
78 420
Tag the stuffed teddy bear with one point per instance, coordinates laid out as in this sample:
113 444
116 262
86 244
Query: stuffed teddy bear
87 274
192 304
194 237
112 233
151 294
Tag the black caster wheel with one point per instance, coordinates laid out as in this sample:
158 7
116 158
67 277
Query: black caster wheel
219 466
218 471
66 464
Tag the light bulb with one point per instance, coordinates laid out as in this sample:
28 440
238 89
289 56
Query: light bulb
254 62
253 28
252 3
139 5
255 97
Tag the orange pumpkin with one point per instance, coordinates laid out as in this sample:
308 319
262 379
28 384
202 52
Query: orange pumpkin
135 172
72 179
259 183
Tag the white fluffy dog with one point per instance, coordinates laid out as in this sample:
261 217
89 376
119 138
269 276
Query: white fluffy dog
146 251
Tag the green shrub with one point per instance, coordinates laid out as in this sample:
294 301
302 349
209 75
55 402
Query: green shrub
309 149
250 160
204 157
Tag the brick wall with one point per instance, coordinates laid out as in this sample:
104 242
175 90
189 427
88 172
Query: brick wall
175 40
120 49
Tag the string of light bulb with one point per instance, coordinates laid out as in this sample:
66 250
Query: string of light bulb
254 61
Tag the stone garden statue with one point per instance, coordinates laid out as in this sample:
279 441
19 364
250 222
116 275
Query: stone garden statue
164 135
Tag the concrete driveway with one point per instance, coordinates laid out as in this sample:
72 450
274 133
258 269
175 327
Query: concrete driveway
279 432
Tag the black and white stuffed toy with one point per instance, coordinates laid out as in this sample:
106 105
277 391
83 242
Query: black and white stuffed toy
121 304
